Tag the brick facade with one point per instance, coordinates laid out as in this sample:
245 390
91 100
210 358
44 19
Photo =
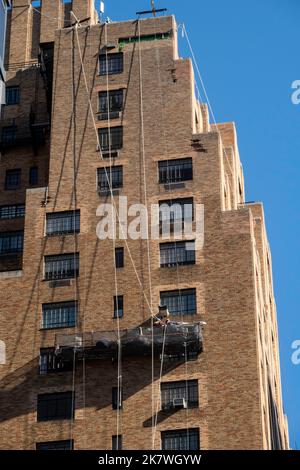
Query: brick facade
232 274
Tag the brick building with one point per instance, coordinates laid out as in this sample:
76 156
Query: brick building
96 112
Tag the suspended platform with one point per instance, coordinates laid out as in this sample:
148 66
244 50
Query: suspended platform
173 339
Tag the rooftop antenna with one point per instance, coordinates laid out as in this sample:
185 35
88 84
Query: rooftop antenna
102 8
153 10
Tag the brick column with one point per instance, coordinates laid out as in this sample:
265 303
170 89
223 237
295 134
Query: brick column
19 36
51 19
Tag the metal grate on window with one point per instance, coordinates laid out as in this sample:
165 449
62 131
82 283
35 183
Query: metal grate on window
184 439
110 64
177 253
110 176
111 139
12 211
11 242
51 363
181 389
55 406
60 223
180 302
59 315
111 101
64 266
172 171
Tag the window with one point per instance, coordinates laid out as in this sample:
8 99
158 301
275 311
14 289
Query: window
55 445
111 139
61 266
110 64
180 302
50 362
118 306
111 102
9 134
172 171
12 95
13 179
12 212
174 213
55 406
33 176
59 315
110 177
177 253
117 400
11 242
59 223
183 389
145 37
183 439
119 257
116 442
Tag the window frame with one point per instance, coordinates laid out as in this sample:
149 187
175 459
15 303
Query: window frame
109 64
64 217
166 166
44 415
119 257
53 364
179 294
12 249
16 95
108 172
70 273
117 398
181 434
16 173
53 308
105 103
17 211
189 257
118 311
179 389
109 134
51 445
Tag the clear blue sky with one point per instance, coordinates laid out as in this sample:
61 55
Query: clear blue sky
248 53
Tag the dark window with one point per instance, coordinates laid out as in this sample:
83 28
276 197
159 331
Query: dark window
111 139
55 406
55 445
116 442
110 178
9 134
13 179
61 266
117 398
172 171
174 213
33 176
12 95
59 223
111 102
183 389
59 315
119 257
180 302
177 253
50 362
12 212
11 242
110 63
118 306
183 439
145 37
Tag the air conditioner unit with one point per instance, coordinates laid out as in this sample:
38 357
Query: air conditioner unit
179 403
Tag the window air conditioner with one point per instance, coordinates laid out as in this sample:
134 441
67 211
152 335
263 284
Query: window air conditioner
179 403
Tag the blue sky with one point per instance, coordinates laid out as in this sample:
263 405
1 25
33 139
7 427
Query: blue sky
248 55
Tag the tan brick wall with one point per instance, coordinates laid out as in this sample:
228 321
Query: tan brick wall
230 415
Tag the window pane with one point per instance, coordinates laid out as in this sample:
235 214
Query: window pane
111 139
183 389
59 315
12 212
12 95
185 439
11 242
118 306
55 445
54 406
177 253
63 222
110 176
61 266
171 171
13 179
110 63
180 302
